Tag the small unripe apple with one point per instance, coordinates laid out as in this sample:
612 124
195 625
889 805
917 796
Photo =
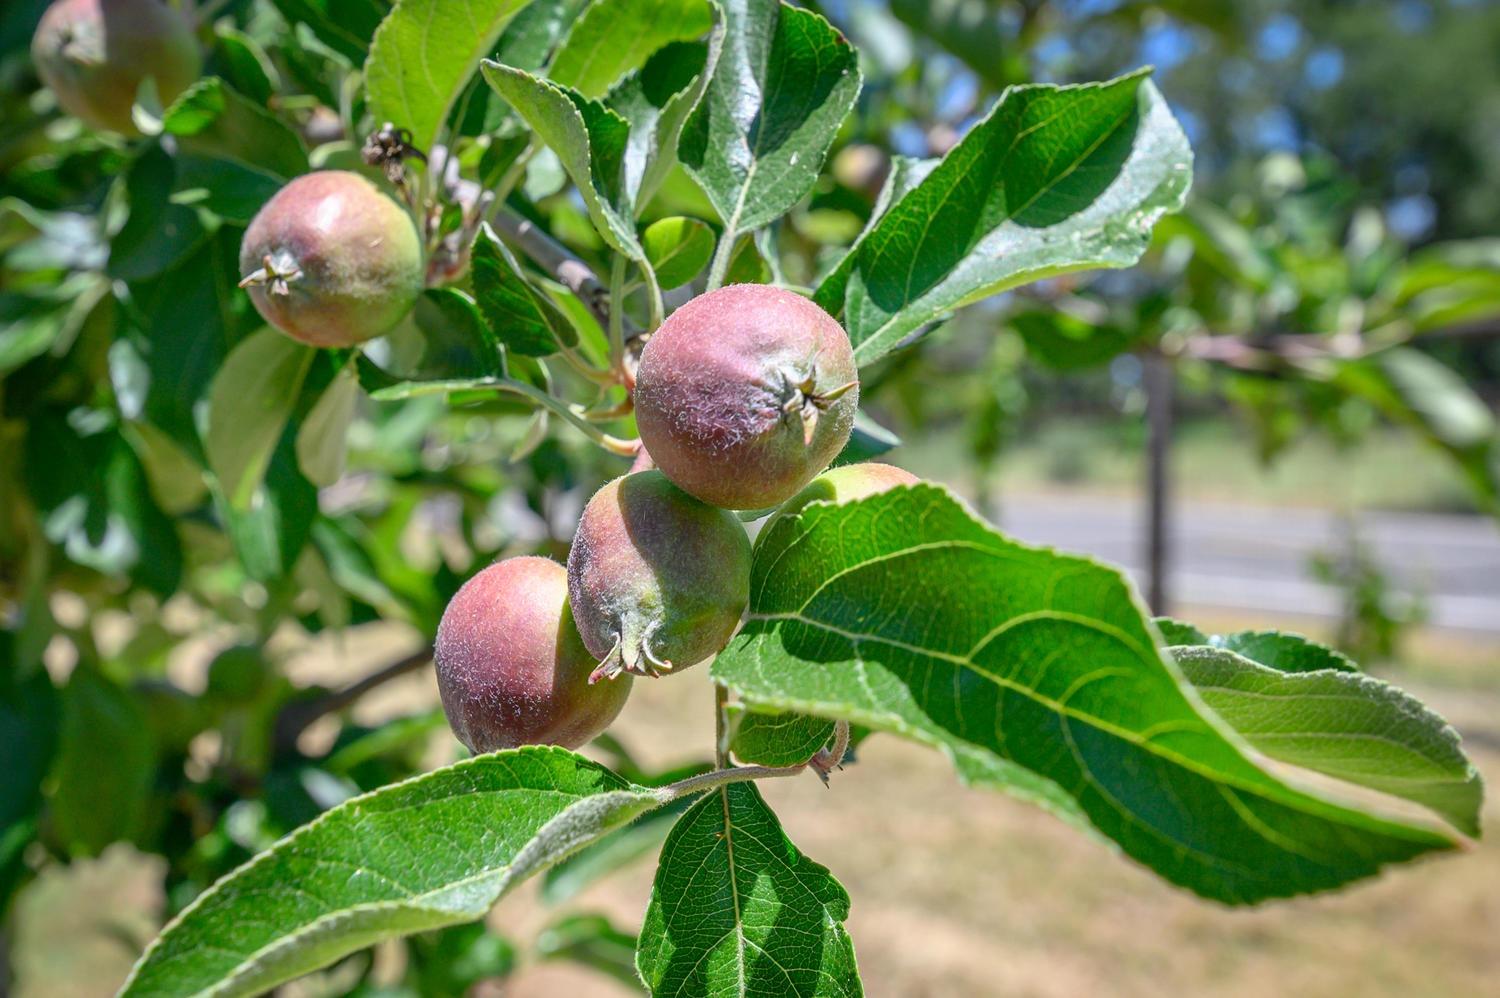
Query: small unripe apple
510 666
845 484
331 260
93 54
658 580
745 393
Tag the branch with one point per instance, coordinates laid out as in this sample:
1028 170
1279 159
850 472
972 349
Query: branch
296 717
1263 351
555 258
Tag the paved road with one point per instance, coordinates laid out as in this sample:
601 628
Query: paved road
1255 558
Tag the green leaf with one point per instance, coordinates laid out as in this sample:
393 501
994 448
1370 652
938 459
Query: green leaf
455 341
782 87
423 56
28 740
736 909
678 248
213 121
612 39
323 437
1054 179
346 26
589 139
1343 724
436 850
519 316
248 407
779 739
247 66
105 764
656 102
1066 342
1036 671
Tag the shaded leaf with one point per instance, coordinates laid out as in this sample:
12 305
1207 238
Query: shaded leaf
211 120
105 764
779 739
323 437
248 407
520 317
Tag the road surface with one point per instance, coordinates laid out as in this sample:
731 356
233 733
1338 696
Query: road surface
1256 558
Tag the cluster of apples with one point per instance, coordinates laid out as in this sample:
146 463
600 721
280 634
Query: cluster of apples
742 398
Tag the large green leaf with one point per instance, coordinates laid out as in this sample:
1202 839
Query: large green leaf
433 851
1054 179
783 85
1037 671
1343 724
736 909
612 39
423 56
181 326
233 154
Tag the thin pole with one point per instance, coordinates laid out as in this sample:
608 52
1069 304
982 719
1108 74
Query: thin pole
1157 380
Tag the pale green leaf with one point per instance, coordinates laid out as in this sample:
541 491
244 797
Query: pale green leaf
1340 723
423 55
678 248
906 613
736 909
248 407
436 850
1054 179
783 85
612 39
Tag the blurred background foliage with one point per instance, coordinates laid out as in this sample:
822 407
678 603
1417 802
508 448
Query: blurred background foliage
164 691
